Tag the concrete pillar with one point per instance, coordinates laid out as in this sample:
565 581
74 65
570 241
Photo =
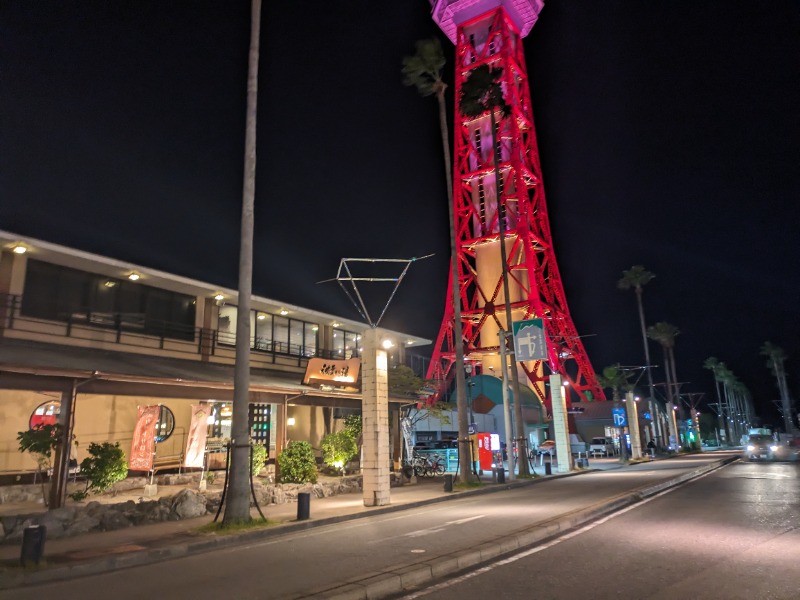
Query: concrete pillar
375 419
560 425
633 425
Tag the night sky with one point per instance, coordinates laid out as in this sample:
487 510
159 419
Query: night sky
669 135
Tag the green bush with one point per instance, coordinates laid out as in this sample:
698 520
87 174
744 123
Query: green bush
338 449
297 463
259 458
104 466
41 442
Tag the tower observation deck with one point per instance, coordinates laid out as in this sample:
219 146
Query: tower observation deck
490 32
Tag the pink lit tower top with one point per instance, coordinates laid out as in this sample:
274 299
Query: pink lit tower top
490 32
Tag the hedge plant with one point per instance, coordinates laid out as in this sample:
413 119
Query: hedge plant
297 463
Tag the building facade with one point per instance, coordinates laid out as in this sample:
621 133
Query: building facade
107 337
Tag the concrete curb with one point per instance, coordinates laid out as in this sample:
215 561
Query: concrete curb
401 580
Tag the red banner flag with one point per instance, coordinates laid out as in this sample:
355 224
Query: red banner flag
196 440
143 446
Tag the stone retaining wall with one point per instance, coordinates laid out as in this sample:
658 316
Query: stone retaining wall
82 517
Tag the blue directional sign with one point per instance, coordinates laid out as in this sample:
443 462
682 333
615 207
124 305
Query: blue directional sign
529 341
620 418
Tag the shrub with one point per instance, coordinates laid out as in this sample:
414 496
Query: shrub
259 458
104 466
41 441
338 449
297 463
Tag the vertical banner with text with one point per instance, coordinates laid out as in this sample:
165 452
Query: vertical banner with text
144 439
196 440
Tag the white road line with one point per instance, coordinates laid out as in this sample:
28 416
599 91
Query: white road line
550 544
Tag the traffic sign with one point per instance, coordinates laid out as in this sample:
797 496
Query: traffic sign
529 341
620 419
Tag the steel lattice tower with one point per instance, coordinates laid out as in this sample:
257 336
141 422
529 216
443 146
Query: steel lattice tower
490 32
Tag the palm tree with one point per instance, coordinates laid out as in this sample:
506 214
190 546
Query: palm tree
775 359
717 368
237 508
636 278
664 334
616 379
424 71
482 92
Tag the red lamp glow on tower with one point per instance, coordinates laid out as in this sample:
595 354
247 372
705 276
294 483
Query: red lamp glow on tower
490 32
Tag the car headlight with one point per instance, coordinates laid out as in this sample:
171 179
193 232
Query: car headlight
750 448
773 448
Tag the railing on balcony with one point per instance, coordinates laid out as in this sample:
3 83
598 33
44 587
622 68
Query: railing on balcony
134 332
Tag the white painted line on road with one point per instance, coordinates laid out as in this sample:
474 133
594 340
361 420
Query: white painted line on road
423 532
467 520
537 549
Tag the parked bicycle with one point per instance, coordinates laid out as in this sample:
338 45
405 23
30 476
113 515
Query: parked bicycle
427 465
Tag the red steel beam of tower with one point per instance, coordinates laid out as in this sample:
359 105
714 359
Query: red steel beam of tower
490 32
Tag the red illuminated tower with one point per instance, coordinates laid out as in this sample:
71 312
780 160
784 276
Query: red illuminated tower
490 32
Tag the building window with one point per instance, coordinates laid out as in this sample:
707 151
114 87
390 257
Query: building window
45 414
59 293
346 344
270 333
165 425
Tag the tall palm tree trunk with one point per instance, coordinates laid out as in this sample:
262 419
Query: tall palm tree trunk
238 505
656 433
464 448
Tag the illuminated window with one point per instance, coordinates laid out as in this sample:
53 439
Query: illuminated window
45 414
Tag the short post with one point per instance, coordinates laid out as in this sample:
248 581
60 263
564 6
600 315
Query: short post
33 538
303 506
448 482
501 474
548 468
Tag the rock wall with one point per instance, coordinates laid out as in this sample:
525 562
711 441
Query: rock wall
83 517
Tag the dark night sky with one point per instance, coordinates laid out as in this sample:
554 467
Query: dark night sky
669 135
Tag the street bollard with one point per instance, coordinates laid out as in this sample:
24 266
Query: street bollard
448 483
548 468
303 506
501 475
32 544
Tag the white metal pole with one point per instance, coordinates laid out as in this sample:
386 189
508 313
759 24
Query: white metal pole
506 408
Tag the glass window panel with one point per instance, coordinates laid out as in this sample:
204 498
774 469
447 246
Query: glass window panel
227 325
263 329
296 337
310 339
281 334
338 344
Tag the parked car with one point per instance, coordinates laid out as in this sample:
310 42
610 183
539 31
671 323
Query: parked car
760 447
601 445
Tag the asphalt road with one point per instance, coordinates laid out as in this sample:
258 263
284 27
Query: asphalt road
299 564
731 534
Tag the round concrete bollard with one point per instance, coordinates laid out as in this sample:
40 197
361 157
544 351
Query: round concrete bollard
548 468
448 483
501 475
33 538
303 506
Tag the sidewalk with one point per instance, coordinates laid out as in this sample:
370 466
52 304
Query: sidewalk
105 551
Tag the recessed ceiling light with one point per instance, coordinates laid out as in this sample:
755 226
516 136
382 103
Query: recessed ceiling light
261 316
219 297
284 312
134 276
19 249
